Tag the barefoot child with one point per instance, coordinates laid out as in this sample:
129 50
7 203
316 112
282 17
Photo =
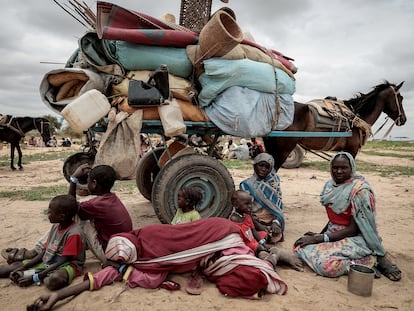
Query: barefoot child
99 217
242 205
188 199
63 255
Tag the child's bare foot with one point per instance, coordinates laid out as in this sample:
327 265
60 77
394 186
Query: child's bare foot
287 257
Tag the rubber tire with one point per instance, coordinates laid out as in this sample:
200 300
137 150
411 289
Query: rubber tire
295 158
147 171
196 170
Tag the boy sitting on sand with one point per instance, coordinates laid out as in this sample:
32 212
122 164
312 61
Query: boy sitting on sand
62 256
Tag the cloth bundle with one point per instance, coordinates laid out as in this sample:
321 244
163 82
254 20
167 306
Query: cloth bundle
60 87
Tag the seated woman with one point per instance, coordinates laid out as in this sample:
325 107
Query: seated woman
351 234
264 187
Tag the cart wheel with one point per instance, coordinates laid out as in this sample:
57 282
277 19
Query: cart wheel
193 170
72 163
147 170
295 158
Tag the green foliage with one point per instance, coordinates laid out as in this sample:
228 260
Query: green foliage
41 193
54 125
364 167
44 156
389 154
389 145
67 131
125 186
237 164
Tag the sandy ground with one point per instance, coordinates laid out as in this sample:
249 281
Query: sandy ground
23 222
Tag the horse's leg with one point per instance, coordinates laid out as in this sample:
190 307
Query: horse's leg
279 148
12 146
19 152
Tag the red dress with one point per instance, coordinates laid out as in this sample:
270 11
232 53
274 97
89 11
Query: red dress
247 234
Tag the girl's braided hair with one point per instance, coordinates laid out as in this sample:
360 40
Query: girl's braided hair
193 195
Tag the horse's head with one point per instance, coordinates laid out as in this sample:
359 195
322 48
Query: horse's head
393 104
43 126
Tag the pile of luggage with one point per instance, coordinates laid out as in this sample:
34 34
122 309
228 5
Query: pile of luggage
216 75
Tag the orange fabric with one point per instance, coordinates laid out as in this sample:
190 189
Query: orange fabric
340 219
190 112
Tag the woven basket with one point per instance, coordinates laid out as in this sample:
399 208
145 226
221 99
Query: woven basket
219 36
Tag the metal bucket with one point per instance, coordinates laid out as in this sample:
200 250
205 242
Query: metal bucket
72 163
360 280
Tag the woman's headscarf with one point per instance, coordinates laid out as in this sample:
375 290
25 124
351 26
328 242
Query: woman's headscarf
264 157
350 159
338 196
357 194
266 192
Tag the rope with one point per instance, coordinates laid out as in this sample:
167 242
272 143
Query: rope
386 119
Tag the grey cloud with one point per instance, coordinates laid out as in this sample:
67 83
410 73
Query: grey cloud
340 47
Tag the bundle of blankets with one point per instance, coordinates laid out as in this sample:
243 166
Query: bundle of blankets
246 91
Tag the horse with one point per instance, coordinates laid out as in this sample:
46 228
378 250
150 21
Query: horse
384 97
12 129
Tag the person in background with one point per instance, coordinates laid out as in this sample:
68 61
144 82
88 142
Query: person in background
255 148
52 141
188 200
264 187
241 152
228 147
351 234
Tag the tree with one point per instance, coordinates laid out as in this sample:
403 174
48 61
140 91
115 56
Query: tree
54 123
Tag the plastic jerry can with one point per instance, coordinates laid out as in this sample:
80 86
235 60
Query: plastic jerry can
86 110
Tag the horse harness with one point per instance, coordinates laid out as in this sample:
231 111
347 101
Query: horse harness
6 122
399 107
333 114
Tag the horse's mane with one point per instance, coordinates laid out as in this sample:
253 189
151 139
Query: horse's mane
363 104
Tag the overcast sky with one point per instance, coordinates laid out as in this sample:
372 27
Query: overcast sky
340 47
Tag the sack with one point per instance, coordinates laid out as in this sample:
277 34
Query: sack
120 145
142 94
172 118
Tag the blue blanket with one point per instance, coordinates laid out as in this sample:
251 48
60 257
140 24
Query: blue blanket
244 112
220 74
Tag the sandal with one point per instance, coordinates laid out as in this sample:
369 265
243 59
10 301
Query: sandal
195 284
17 254
20 255
9 254
388 269
170 285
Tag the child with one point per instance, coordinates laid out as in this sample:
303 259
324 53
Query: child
99 217
188 199
242 205
62 256
104 215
